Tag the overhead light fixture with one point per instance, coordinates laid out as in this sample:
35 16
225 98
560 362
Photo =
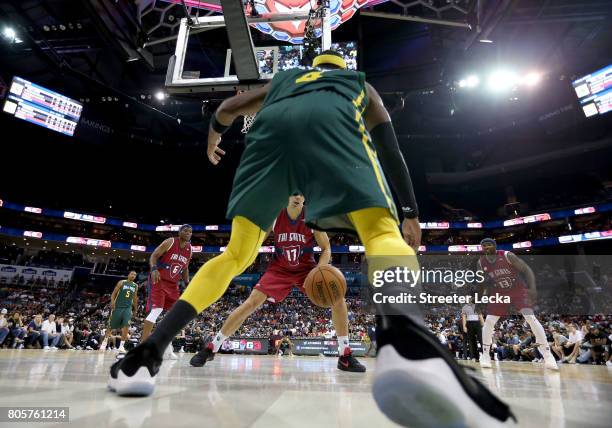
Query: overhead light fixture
160 96
532 79
469 82
9 33
485 41
472 81
502 80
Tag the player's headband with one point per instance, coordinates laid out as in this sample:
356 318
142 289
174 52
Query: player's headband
185 226
329 59
488 241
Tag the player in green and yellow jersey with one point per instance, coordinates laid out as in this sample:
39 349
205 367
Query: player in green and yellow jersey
325 131
124 301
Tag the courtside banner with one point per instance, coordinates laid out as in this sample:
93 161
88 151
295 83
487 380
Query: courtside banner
328 347
249 346
28 272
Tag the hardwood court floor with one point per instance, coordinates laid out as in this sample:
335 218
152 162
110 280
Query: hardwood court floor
260 391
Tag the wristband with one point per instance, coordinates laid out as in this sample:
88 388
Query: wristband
217 126
410 213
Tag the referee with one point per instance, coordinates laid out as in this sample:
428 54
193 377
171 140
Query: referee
472 326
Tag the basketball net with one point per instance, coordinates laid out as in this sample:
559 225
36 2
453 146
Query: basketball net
248 122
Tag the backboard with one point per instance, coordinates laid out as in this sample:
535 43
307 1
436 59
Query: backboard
242 68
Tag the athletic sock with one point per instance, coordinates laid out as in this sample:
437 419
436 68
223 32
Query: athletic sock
343 343
120 344
174 321
218 341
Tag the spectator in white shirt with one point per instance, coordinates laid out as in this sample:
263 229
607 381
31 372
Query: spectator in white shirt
574 341
66 330
4 330
49 331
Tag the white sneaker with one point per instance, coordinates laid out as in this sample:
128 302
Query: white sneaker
181 351
446 395
138 379
549 362
535 360
485 361
169 354
46 348
121 350
54 348
609 363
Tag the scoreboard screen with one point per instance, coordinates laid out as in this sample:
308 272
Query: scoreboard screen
41 106
594 92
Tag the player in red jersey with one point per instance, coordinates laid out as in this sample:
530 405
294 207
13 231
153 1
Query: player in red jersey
504 270
169 264
293 259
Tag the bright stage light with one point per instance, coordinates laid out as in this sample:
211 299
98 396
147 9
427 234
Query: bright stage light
472 81
160 96
9 33
469 82
532 79
502 80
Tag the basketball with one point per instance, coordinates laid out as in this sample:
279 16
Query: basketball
325 285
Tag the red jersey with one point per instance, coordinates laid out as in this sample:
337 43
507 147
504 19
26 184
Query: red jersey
172 264
501 272
293 243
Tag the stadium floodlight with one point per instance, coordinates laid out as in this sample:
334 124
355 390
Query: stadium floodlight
502 80
472 81
532 79
9 33
159 95
469 82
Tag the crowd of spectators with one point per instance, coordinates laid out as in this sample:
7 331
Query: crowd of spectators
76 318
573 339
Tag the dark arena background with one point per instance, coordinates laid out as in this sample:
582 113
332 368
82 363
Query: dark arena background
501 109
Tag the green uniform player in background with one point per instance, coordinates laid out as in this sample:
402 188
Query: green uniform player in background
124 301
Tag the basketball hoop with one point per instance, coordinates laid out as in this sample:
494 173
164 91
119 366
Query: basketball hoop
248 122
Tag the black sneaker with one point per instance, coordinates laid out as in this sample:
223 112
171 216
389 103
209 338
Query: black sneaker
349 363
134 374
418 383
204 355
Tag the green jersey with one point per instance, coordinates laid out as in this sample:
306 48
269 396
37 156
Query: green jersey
125 297
310 136
297 81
